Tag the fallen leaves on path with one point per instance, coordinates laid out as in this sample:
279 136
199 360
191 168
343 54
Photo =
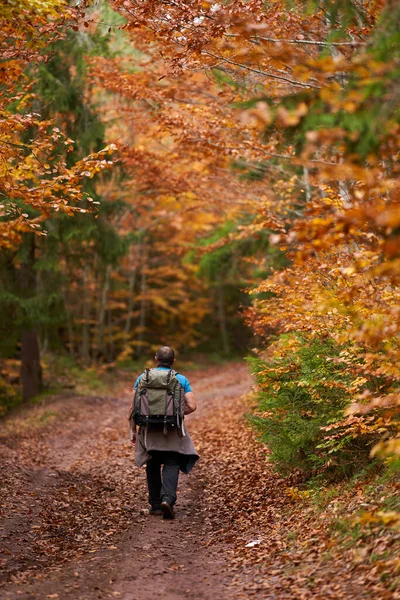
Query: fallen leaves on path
70 491
63 500
285 542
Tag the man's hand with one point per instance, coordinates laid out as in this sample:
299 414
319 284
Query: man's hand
190 403
132 432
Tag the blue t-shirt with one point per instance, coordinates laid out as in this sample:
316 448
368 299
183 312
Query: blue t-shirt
184 381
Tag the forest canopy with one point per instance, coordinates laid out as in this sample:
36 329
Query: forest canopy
218 176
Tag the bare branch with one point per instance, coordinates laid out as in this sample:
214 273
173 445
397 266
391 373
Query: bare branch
259 71
285 41
263 151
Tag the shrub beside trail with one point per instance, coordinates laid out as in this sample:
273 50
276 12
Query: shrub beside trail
304 390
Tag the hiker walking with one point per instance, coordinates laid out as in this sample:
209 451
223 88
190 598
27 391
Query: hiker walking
162 398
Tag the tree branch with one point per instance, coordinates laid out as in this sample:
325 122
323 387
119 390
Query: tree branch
263 151
258 71
310 42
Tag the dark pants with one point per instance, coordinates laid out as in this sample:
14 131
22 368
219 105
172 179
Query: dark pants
162 487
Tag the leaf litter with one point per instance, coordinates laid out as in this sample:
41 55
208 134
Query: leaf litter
70 494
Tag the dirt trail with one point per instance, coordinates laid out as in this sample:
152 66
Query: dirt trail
73 514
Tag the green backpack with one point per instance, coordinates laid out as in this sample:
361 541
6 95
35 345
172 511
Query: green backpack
159 400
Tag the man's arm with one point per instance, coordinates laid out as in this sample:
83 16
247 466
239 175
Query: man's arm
133 397
190 403
132 432
131 406
132 424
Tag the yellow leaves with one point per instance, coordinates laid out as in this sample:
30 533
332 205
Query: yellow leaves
31 8
161 302
312 297
289 118
199 167
293 493
262 115
389 217
386 448
367 404
349 271
389 518
329 94
29 176
357 384
259 116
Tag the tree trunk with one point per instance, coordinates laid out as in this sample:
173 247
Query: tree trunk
85 316
133 262
102 312
307 185
110 347
344 192
222 320
143 301
70 327
31 371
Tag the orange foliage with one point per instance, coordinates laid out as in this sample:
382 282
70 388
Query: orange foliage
337 191
34 178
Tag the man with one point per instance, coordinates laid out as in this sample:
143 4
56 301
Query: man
170 450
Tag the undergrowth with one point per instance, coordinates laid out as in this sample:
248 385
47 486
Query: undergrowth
10 397
303 388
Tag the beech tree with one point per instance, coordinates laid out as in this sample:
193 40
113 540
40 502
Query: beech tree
275 124
35 180
306 98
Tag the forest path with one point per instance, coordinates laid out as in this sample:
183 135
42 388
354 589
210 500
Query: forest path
74 523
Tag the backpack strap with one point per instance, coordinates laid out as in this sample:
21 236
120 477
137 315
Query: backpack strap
147 374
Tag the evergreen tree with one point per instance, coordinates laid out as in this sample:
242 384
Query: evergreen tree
34 278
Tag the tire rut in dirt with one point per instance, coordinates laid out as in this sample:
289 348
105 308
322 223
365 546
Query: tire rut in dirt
170 558
152 556
82 531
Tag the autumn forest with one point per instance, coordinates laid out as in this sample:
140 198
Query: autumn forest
223 178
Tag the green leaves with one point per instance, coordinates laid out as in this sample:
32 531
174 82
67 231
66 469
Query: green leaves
301 389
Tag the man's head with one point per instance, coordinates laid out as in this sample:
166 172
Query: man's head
165 357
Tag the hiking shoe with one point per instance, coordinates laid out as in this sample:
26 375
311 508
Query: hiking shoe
155 510
167 510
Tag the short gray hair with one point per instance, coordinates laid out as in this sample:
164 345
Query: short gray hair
165 356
